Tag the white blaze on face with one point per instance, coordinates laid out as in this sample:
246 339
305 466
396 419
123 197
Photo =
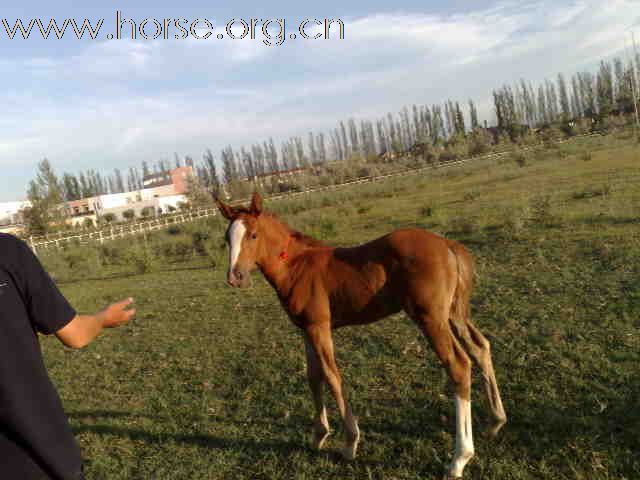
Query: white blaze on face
236 234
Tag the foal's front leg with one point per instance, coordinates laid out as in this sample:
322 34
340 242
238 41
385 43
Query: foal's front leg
319 336
316 379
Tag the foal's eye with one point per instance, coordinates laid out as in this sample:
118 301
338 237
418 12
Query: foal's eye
254 236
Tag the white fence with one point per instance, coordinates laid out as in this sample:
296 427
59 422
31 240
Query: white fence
121 231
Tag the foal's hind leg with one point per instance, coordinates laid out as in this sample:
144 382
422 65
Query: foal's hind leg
479 349
316 379
458 366
319 336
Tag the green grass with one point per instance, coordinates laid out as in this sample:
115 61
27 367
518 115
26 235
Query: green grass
209 382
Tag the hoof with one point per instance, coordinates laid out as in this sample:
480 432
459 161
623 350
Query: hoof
319 439
349 452
458 464
493 429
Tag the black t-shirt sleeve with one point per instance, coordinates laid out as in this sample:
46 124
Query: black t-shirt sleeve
48 310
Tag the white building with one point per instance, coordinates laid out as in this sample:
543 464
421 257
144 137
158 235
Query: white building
158 198
10 212
165 204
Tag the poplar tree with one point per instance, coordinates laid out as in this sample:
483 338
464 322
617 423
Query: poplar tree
45 193
564 97
473 114
543 113
577 108
604 88
229 169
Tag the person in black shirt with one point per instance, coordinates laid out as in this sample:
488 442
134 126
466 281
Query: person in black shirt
36 442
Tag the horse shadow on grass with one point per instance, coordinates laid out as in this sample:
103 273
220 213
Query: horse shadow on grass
289 428
539 425
256 448
113 276
160 419
545 423
282 448
122 275
536 427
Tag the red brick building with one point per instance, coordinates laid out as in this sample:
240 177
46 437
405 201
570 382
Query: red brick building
178 178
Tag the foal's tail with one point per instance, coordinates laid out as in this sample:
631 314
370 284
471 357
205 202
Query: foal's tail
460 308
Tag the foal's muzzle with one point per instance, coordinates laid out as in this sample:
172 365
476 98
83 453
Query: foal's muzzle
237 277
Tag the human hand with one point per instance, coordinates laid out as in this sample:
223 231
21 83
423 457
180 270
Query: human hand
117 314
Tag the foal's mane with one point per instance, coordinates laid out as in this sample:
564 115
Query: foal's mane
299 236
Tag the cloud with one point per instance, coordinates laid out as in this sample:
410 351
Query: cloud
115 103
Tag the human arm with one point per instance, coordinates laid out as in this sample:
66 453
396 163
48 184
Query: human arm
83 329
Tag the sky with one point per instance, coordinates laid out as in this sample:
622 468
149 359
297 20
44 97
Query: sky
112 103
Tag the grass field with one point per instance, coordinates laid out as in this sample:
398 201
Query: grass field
209 382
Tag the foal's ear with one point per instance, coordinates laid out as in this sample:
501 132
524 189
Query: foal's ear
226 211
256 204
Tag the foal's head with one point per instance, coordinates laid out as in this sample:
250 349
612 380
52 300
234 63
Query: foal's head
245 239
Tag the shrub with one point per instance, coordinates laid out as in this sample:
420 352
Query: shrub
56 266
520 158
479 142
325 180
178 248
463 226
326 201
174 229
141 258
284 187
516 221
471 195
109 217
603 125
426 211
592 192
74 258
129 214
110 254
214 252
366 171
541 210
448 156
82 261
550 134
327 229
568 129
586 156
198 239
345 211
146 212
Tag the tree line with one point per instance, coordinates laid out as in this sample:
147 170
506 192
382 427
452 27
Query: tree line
588 95
91 183
517 108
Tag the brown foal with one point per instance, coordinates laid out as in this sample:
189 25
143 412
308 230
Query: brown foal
322 288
